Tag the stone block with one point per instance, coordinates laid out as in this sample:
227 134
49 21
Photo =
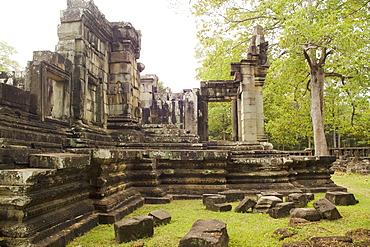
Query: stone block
214 199
233 195
204 196
160 217
281 210
300 200
71 30
327 209
264 203
309 214
246 204
266 193
60 160
220 207
158 200
208 232
340 198
133 229
310 196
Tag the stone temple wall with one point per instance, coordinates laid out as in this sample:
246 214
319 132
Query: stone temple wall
85 139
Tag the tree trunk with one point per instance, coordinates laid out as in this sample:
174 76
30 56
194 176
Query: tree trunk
317 110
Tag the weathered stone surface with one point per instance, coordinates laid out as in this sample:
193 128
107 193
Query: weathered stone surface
246 204
264 203
281 210
310 196
277 194
341 198
233 195
59 160
204 196
209 232
310 214
158 200
160 217
133 229
299 200
211 200
327 209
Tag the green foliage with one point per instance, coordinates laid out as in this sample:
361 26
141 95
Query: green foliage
7 64
304 36
161 88
243 229
219 121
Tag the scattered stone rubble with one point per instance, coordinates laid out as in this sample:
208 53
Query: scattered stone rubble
87 139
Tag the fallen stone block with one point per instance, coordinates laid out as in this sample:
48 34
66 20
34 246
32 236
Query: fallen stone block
310 196
233 195
340 198
281 210
160 217
208 232
246 204
133 229
264 203
208 195
310 214
300 200
270 193
327 209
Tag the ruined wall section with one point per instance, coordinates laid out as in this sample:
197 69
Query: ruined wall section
124 81
84 38
177 109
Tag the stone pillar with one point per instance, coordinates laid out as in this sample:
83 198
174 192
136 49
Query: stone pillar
261 137
248 117
202 114
235 119
148 86
252 71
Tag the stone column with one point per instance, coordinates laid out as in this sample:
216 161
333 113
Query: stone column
248 117
261 137
235 119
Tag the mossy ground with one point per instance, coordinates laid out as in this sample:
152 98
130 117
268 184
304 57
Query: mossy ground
244 229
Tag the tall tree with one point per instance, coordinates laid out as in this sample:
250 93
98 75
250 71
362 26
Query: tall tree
6 63
331 36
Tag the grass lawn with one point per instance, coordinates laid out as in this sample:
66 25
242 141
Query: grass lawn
243 229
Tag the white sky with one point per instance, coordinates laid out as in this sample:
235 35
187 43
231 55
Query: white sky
168 34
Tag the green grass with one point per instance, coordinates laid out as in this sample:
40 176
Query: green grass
244 229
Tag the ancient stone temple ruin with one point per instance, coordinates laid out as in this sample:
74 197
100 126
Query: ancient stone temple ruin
86 138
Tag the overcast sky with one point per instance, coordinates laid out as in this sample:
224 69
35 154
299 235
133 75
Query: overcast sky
168 33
